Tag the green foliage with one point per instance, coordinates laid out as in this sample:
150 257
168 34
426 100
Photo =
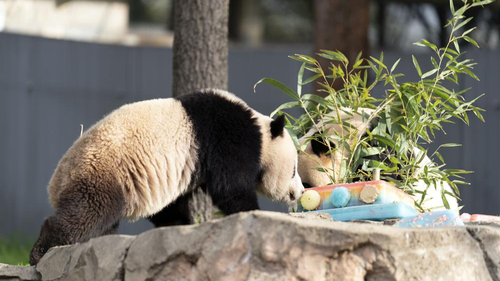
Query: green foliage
15 250
219 214
407 117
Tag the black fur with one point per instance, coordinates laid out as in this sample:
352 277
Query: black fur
230 146
320 148
277 126
85 211
177 213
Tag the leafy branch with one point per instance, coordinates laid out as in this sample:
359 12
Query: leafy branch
397 125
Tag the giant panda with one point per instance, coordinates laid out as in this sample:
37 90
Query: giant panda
314 155
143 156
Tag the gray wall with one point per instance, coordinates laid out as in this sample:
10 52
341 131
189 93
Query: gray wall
49 87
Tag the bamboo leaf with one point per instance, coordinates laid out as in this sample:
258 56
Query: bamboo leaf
304 58
478 114
482 3
429 73
471 74
468 31
470 40
455 43
450 145
434 63
429 44
313 97
358 59
458 13
299 79
312 78
288 105
460 25
395 65
417 67
445 200
333 55
313 69
282 87
357 64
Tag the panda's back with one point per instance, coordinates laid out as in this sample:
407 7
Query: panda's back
147 148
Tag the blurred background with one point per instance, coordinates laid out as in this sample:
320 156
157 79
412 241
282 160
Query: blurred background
65 64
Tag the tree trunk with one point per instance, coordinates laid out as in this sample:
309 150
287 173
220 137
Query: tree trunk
342 26
200 45
200 61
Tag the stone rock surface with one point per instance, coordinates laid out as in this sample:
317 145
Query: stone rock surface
99 259
18 273
312 216
273 246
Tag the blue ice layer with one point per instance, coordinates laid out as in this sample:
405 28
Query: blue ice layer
374 212
432 219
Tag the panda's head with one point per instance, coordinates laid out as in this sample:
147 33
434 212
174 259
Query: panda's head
315 155
279 178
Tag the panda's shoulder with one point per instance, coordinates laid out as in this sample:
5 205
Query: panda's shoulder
215 103
208 97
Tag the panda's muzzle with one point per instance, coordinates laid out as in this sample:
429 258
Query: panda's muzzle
294 196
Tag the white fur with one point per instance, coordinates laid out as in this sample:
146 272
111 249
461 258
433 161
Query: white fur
279 158
131 140
148 149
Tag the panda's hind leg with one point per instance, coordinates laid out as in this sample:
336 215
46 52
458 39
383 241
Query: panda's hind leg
84 211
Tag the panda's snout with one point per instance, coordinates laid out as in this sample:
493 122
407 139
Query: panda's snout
293 195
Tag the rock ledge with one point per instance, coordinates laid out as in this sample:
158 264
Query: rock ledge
274 246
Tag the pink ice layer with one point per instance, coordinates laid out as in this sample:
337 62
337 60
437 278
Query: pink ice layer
432 219
479 218
388 193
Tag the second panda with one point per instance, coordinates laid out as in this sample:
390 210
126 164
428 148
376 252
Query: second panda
315 155
143 156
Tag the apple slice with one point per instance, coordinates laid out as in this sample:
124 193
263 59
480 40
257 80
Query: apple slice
310 200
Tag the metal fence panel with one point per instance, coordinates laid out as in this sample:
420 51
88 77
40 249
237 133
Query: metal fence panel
49 87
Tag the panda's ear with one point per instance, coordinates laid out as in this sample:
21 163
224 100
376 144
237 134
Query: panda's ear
319 148
277 126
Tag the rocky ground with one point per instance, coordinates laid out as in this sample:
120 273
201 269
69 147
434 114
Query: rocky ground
274 246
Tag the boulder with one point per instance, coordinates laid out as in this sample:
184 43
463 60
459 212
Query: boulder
99 259
274 246
18 273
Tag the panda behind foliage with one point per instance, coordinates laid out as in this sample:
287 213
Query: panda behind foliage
315 155
143 156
